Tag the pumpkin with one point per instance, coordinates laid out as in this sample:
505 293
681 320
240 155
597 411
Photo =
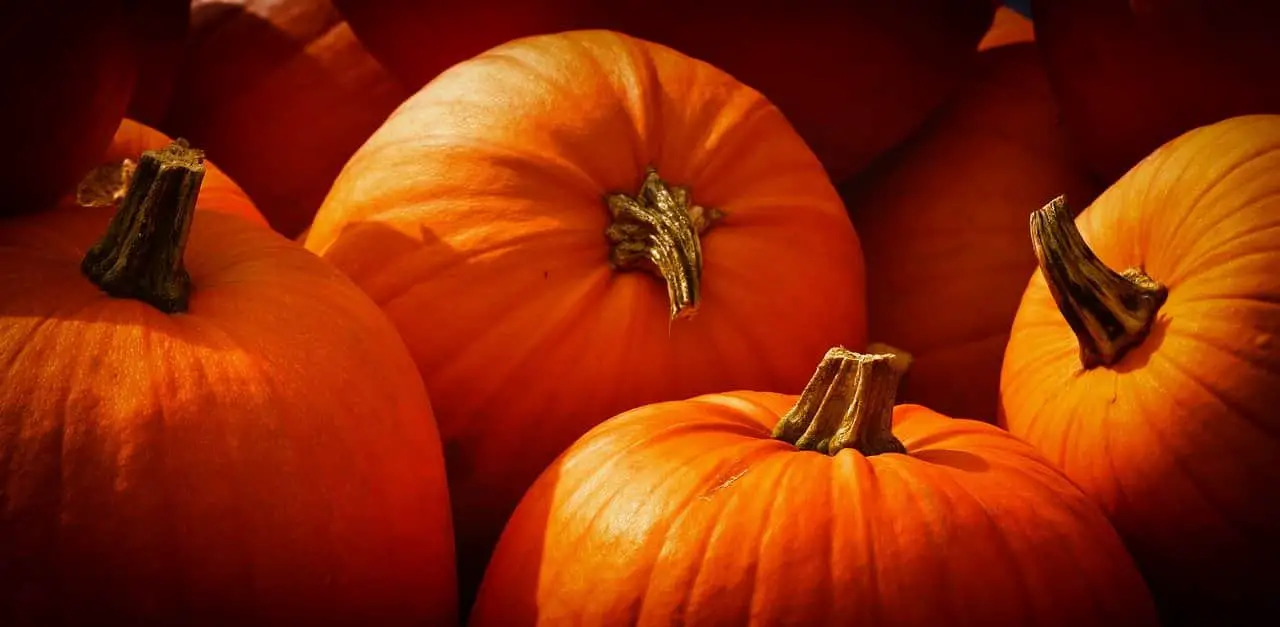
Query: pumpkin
500 217
855 78
206 426
109 181
1133 74
1143 361
943 222
280 93
160 31
65 99
831 508
1008 27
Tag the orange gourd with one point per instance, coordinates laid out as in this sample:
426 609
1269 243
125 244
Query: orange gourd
854 77
280 93
1156 390
67 67
206 425
159 33
943 222
1008 27
1134 74
498 215
217 191
831 508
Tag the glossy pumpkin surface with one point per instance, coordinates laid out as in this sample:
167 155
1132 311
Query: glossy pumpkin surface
944 226
479 218
690 513
1176 437
267 456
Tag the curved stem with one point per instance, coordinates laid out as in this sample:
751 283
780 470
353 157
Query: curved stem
140 257
847 404
1109 312
659 228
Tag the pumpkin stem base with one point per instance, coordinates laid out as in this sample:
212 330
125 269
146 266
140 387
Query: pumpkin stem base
140 257
658 228
847 404
1109 312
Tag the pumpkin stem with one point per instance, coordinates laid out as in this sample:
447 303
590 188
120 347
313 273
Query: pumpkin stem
140 257
659 228
1109 312
847 404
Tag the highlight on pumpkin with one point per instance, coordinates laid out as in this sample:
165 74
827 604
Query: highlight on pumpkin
661 225
1109 312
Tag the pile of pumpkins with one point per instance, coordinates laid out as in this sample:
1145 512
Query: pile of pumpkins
504 313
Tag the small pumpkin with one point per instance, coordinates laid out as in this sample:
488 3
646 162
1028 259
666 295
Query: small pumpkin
281 93
1155 388
1134 74
1008 27
206 426
854 77
500 214
831 508
943 222
111 179
68 71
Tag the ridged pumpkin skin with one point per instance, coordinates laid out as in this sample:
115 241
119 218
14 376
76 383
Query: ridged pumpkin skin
1134 74
268 457
1177 440
217 192
943 222
67 67
476 218
690 513
279 93
854 77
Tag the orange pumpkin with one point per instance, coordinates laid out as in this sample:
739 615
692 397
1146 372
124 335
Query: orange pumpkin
280 93
67 67
206 426
944 229
854 77
1008 27
854 512
1133 74
1156 389
217 191
495 218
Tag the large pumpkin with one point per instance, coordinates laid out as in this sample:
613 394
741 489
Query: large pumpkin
854 512
206 426
1156 389
854 77
280 94
944 228
67 67
109 181
495 218
1133 74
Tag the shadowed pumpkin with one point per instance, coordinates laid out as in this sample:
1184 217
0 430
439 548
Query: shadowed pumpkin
543 222
1143 361
206 425
943 221
852 512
